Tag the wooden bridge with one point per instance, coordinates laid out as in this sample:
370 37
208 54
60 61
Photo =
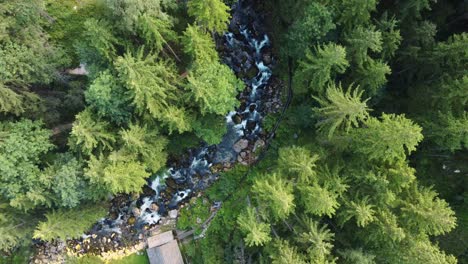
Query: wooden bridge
164 249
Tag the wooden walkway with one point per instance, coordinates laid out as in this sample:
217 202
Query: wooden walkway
163 249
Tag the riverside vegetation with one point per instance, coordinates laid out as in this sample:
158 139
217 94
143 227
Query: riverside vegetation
369 164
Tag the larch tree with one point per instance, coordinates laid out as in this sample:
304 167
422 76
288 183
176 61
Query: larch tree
66 224
276 194
90 133
212 15
341 109
389 139
372 75
318 241
214 87
299 162
256 232
361 41
319 68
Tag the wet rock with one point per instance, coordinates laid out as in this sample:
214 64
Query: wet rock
154 207
173 214
131 220
240 145
267 58
136 212
237 119
258 145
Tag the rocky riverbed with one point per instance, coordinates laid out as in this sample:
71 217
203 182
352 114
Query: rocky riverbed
246 50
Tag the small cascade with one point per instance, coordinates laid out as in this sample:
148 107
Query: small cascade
243 51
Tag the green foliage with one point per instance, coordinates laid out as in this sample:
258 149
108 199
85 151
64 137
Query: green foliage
148 144
341 109
257 233
194 214
59 223
372 76
428 214
212 15
354 12
22 145
275 194
107 97
321 67
361 41
314 23
389 139
90 133
391 37
156 32
214 87
16 228
299 162
361 210
211 128
356 256
199 45
318 240
117 173
69 187
284 253
448 131
319 200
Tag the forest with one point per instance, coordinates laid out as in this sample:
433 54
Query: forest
272 131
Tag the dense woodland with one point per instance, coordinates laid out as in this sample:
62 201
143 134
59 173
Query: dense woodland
369 164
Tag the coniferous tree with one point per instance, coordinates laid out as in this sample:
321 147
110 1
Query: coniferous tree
212 15
361 41
298 161
90 133
341 109
389 139
276 195
72 223
256 233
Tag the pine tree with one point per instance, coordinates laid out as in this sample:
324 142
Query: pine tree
391 37
212 15
257 233
389 139
65 224
319 68
156 32
341 109
276 194
447 131
298 161
356 256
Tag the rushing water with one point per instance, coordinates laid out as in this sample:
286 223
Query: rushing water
242 49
